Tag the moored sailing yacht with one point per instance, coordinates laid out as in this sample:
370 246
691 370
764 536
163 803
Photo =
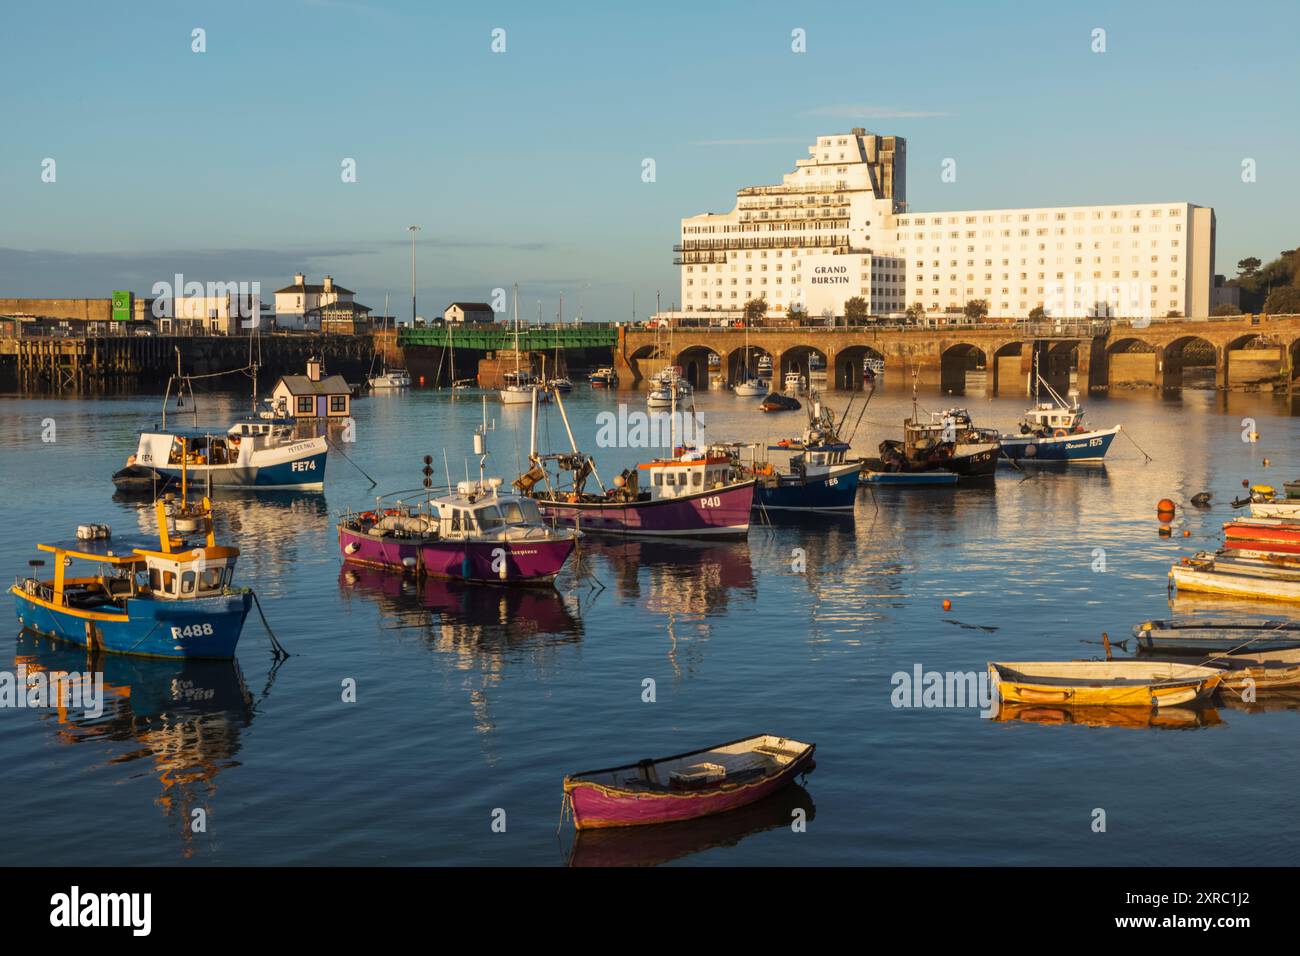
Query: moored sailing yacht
520 385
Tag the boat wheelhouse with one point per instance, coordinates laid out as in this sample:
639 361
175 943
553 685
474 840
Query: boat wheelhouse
170 597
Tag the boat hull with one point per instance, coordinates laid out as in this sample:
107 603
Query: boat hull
836 490
716 513
1217 636
1275 509
304 471
1143 690
484 562
1209 581
200 628
597 806
911 479
1084 447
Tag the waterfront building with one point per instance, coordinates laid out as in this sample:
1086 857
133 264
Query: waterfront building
468 312
340 318
313 395
296 305
839 226
222 314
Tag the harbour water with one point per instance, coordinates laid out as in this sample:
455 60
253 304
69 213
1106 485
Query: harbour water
471 701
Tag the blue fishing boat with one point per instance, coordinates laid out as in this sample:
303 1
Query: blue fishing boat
165 597
1053 432
820 475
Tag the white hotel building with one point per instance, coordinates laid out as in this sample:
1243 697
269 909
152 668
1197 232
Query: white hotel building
839 226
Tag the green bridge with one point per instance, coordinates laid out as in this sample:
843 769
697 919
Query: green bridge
492 338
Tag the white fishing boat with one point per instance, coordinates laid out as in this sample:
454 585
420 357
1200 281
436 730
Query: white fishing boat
796 383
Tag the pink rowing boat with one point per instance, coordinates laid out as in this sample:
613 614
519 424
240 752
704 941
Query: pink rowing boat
686 786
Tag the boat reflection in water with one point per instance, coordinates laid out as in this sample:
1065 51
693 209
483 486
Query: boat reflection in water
1161 718
677 576
663 843
178 720
480 628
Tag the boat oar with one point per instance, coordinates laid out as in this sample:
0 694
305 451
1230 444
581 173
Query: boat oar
335 446
1107 643
277 649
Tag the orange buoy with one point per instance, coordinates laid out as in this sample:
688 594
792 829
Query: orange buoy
1186 533
947 605
1165 506
1165 531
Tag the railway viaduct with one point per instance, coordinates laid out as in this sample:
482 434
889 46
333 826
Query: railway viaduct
1245 351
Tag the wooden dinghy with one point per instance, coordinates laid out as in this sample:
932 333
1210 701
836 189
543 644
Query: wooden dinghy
1263 671
1271 534
1103 683
1214 577
686 786
1214 635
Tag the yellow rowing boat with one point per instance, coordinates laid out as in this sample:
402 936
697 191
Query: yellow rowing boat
1103 683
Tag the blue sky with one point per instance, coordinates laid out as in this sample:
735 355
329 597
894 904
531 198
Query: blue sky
525 166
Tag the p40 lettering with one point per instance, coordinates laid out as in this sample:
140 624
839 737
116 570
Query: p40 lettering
711 502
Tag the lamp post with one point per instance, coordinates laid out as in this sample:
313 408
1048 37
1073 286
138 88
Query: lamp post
412 230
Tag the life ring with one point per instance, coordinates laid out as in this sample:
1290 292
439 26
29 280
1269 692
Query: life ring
390 512
367 516
1060 433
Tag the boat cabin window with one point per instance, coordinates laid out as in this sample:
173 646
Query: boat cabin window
489 517
187 582
210 578
659 477
455 519
528 511
697 479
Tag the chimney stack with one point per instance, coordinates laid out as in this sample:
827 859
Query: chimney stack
329 284
313 369
299 279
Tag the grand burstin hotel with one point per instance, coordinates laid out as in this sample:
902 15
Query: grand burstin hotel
839 227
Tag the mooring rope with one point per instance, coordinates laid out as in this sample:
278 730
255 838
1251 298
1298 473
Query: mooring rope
277 649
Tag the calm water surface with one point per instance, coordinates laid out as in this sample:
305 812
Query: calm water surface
473 699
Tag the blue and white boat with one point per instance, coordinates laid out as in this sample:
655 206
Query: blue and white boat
251 453
164 597
820 475
1054 432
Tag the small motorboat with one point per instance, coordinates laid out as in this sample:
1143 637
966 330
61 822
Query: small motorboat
561 384
686 786
776 402
668 388
1214 635
1255 670
139 480
1129 683
795 383
603 378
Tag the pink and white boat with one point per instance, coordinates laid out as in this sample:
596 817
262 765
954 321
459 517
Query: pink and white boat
695 493
472 534
686 786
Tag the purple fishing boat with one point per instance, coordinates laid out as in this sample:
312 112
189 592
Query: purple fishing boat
694 493
686 786
472 534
